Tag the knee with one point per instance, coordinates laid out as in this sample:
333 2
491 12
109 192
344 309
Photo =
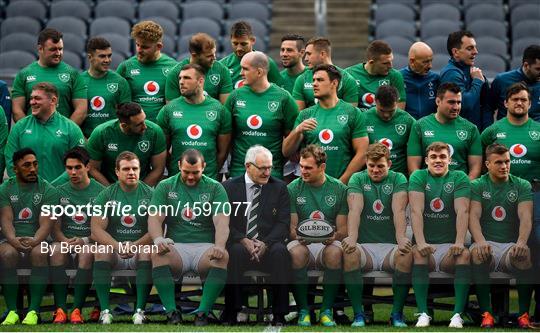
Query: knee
85 260
9 256
464 257
404 260
37 257
332 257
299 256
418 258
351 261
103 257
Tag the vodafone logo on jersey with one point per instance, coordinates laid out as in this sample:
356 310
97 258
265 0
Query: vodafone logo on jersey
97 103
151 88
239 84
254 121
378 207
128 221
187 214
518 150
316 215
194 131
436 205
326 136
387 142
368 99
25 214
498 213
79 218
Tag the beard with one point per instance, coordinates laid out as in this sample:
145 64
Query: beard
518 115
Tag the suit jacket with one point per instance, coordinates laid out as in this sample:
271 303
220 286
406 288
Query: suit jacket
275 211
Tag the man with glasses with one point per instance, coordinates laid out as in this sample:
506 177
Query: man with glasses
258 231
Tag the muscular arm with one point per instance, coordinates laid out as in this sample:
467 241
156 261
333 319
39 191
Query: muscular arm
223 143
292 142
223 98
359 146
301 104
416 201
399 204
475 213
44 230
155 225
475 166
461 206
221 224
414 163
57 233
98 227
80 110
294 224
18 105
95 167
341 227
525 209
6 220
158 166
356 205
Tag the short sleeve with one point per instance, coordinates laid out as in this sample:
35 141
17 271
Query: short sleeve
359 129
462 186
417 181
414 145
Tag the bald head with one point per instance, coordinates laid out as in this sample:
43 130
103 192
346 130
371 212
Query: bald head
257 59
420 58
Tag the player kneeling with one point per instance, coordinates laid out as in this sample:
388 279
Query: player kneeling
500 223
196 241
439 200
377 201
318 201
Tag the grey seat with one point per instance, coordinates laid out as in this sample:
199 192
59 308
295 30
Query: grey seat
437 44
399 44
20 24
395 28
490 62
527 28
204 8
468 3
437 11
169 27
400 61
394 11
68 24
74 43
161 8
491 28
249 9
440 60
410 3
12 61
30 8
438 27
74 8
119 43
515 3
492 45
222 2
19 41
525 12
191 26
263 2
484 11
169 45
258 27
117 8
518 46
73 59
516 62
111 24
454 3
183 44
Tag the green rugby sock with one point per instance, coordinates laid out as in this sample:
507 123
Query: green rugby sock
164 282
400 289
59 281
331 282
480 275
420 283
524 287
355 285
300 288
81 285
10 287
215 281
462 283
143 280
39 279
102 283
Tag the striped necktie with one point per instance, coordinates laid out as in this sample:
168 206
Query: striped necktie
253 212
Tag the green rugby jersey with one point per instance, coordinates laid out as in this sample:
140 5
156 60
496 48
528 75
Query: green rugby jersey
195 207
216 81
439 194
195 126
500 219
523 142
133 225
394 134
288 80
336 128
65 78
232 62
147 82
377 217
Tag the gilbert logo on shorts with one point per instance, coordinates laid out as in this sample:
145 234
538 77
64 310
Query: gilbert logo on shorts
378 206
518 150
79 218
436 205
128 221
326 136
187 214
316 215
151 88
254 121
25 214
194 131
368 99
387 142
97 103
498 213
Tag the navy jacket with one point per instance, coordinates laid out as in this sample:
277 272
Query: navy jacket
421 92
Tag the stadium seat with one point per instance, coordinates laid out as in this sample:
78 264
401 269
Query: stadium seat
169 27
468 3
437 44
68 24
161 8
439 61
73 59
488 28
399 44
490 63
20 24
74 43
492 45
15 59
183 55
19 41
119 43
183 44
516 62
258 27
222 2
519 45
30 8
74 8
525 12
264 2
484 11
169 45
395 28
453 3
110 24
410 3
438 27
438 11
394 11
525 28
204 8
117 8
249 9
514 3
191 26
400 61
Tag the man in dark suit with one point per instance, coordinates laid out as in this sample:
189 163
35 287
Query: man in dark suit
257 233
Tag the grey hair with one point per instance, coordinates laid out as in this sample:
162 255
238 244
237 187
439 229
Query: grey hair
254 151
260 60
